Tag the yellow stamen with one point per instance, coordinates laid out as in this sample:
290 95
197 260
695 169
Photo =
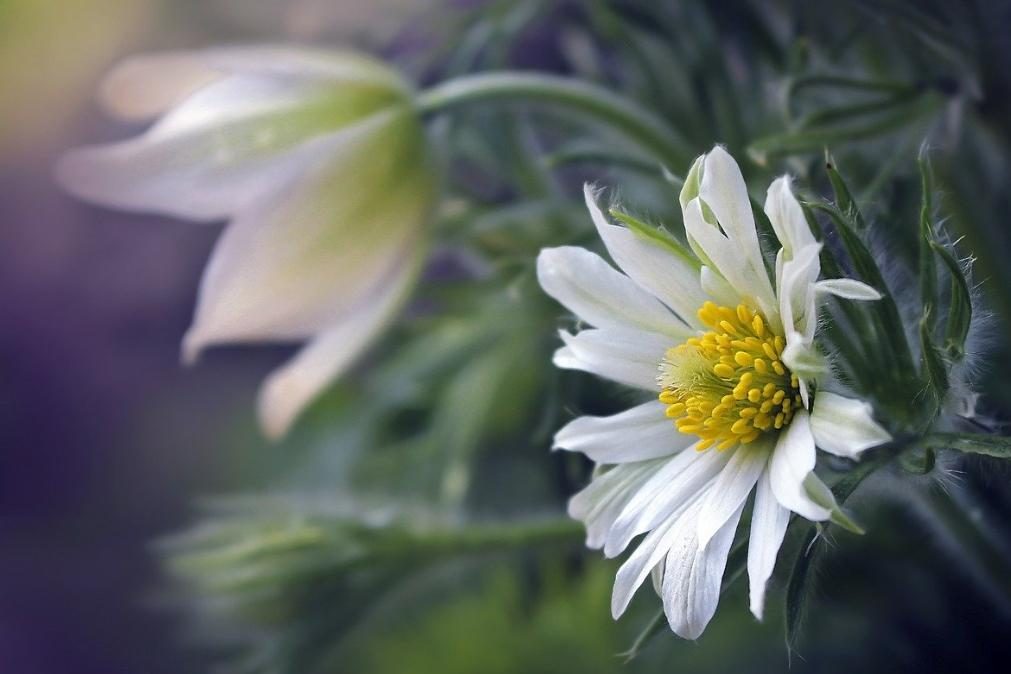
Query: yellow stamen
729 385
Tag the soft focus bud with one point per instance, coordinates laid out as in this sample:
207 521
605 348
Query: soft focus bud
319 161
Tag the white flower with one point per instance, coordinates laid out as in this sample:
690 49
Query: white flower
318 160
729 354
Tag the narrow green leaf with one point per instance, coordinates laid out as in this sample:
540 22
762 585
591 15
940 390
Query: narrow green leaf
928 271
843 197
885 310
998 446
814 138
656 625
812 548
935 370
798 588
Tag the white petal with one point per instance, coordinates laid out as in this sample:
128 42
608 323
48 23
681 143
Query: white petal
725 257
675 484
717 288
627 357
693 577
226 145
603 297
298 263
796 290
143 86
731 489
792 462
600 502
289 390
651 550
845 426
724 192
641 433
768 527
671 278
849 289
786 217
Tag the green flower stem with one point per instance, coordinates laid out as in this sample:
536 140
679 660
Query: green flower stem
971 443
595 102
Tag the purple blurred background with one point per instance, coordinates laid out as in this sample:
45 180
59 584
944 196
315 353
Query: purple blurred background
105 440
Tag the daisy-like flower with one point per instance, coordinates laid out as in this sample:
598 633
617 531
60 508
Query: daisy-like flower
729 355
318 160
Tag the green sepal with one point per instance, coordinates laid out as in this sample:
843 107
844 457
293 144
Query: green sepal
960 306
657 235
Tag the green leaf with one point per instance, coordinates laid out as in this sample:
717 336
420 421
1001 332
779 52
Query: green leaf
799 141
935 370
656 625
971 443
812 547
928 271
798 588
843 197
885 310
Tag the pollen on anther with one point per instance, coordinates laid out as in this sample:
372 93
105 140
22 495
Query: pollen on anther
729 385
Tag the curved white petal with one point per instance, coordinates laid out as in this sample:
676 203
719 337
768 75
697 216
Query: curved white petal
750 284
676 483
768 527
603 297
717 288
641 433
650 552
625 356
295 264
849 289
671 278
731 489
290 389
599 503
143 86
230 143
693 576
845 426
796 290
786 217
792 462
723 190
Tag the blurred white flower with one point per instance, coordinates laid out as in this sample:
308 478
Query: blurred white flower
729 353
318 160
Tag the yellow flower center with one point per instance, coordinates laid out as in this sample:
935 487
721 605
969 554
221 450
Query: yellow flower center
729 385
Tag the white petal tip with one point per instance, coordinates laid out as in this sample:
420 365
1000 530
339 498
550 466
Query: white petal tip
279 405
192 348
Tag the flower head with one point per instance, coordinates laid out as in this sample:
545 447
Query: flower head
318 160
728 350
